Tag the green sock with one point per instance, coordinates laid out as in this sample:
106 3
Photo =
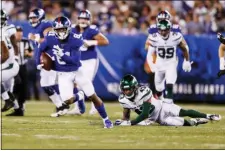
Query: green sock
169 89
192 113
188 123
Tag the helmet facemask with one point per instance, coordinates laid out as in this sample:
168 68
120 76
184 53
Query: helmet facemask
62 33
128 86
164 27
83 22
34 21
84 19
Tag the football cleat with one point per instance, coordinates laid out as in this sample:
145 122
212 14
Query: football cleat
16 112
214 117
8 105
198 121
61 111
108 124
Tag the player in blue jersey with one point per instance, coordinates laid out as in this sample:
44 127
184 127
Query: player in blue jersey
89 59
40 28
163 15
65 46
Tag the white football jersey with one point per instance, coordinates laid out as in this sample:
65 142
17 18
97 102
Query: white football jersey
143 94
165 49
7 32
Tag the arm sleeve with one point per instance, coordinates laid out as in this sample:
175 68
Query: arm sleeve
73 58
146 108
151 50
41 48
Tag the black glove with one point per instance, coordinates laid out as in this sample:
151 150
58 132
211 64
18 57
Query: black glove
220 73
221 38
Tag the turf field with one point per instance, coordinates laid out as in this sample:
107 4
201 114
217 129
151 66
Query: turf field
37 130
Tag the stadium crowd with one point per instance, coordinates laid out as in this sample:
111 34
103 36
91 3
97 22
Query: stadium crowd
129 17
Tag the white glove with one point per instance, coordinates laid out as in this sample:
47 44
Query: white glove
186 66
39 67
120 122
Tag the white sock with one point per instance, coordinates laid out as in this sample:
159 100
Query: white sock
5 95
16 105
56 99
105 119
207 115
92 106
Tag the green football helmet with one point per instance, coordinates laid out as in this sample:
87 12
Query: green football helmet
164 27
4 18
128 85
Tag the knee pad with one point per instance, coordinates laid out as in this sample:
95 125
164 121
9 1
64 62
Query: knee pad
49 90
169 89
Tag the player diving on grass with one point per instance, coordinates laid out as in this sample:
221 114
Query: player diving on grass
139 98
164 44
89 59
65 46
221 52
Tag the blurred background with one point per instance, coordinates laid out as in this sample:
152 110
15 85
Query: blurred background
125 23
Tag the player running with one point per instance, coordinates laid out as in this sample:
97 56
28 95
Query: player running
9 59
221 55
164 43
65 46
163 15
89 59
40 28
140 99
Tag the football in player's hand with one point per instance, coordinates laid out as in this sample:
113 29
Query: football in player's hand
46 60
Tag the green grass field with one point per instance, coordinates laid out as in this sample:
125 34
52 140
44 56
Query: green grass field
37 130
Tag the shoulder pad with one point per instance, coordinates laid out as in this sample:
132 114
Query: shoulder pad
121 97
73 25
153 26
93 26
51 33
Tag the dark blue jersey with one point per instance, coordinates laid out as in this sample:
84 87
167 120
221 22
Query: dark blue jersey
70 61
88 34
153 29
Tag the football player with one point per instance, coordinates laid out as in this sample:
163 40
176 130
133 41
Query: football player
89 60
152 30
221 55
164 43
40 28
65 46
9 65
139 98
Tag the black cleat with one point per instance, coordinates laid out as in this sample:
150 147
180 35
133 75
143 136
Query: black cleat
8 105
16 112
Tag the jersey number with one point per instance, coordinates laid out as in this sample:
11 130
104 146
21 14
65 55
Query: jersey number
166 52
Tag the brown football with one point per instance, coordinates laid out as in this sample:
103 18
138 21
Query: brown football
47 61
4 52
